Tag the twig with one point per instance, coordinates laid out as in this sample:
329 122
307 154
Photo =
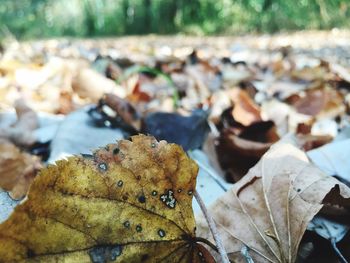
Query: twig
209 171
245 253
212 228
339 254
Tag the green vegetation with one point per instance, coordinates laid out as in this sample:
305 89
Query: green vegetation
51 18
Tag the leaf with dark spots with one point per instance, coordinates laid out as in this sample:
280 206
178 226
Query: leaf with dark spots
109 208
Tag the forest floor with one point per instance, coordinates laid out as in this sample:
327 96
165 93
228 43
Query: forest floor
230 102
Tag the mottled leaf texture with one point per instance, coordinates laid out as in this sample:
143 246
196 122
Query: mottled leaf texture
128 202
269 209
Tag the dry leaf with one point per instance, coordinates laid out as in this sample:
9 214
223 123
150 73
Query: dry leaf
219 102
21 131
143 88
205 80
245 110
66 104
124 109
238 153
311 73
320 102
129 202
17 169
309 141
269 209
90 84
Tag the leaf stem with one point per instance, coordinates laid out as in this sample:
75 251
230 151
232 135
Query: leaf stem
207 242
212 228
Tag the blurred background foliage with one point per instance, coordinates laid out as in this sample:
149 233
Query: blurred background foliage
88 18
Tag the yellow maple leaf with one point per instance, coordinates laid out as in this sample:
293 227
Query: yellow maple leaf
128 202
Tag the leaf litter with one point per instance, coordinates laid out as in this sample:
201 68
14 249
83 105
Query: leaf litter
234 98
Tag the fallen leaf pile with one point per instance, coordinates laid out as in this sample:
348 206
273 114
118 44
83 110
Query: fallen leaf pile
231 100
129 202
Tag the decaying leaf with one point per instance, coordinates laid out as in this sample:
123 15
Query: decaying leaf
129 202
269 209
17 169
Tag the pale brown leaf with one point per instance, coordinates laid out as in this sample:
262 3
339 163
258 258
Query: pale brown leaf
92 85
245 110
20 132
269 209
